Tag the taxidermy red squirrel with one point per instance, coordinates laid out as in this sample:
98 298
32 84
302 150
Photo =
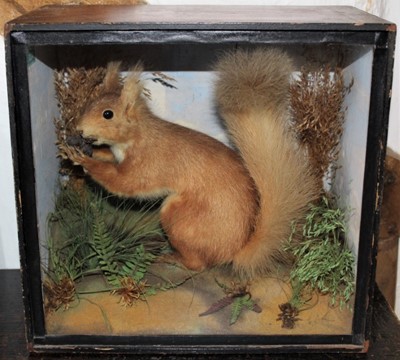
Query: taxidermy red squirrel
220 206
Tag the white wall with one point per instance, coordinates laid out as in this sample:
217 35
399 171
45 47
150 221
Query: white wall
9 257
389 9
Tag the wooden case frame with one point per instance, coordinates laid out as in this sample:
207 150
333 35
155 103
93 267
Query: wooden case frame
102 25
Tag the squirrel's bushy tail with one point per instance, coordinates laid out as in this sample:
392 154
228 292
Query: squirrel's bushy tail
252 92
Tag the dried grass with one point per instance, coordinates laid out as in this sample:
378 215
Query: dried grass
75 87
318 115
130 291
58 295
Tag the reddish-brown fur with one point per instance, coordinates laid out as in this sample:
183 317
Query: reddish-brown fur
216 201
208 211
252 93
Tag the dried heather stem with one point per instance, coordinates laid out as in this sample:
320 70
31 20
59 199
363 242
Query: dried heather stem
75 87
318 115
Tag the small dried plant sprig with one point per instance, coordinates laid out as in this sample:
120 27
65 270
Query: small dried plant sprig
165 80
58 294
131 291
317 98
288 315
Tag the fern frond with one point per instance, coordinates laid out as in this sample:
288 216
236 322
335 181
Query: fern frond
240 303
218 305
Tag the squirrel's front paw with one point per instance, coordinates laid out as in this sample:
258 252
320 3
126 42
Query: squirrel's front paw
83 144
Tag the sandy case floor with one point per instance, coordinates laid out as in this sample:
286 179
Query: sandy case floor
176 311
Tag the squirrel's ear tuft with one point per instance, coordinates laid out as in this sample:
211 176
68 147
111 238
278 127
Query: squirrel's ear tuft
112 79
132 88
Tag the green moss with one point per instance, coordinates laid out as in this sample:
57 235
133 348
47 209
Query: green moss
323 262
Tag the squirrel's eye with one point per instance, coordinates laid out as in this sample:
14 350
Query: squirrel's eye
108 114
